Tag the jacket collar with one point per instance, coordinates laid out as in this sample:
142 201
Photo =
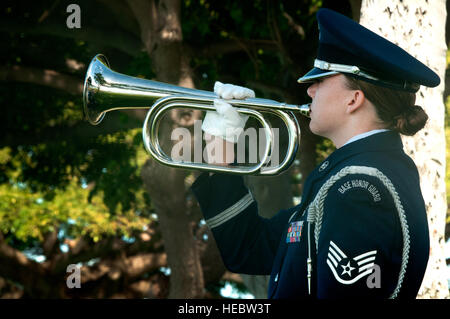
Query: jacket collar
384 141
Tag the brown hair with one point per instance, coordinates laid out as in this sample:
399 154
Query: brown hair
396 109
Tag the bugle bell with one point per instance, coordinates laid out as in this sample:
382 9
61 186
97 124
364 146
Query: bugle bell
105 90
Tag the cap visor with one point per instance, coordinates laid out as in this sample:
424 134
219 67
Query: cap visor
314 74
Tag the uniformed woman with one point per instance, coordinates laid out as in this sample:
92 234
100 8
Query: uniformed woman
361 227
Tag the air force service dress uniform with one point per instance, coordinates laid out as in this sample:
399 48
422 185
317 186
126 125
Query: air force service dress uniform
361 228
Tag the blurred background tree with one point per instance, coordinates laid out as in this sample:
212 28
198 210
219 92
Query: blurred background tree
71 193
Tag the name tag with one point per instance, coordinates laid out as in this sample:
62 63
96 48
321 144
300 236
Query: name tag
294 232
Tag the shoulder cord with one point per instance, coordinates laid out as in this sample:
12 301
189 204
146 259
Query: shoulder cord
315 212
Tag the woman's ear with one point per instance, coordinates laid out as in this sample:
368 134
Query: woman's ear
355 101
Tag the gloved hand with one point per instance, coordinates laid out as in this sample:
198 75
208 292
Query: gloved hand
226 122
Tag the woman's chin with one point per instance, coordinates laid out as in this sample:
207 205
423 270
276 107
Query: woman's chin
312 126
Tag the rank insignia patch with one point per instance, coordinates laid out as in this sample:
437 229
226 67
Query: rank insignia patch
294 232
349 270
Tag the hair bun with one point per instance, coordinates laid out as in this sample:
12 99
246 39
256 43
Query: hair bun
411 120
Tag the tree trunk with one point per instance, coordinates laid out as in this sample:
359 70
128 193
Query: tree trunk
161 34
419 28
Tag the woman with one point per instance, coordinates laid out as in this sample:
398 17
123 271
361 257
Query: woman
361 228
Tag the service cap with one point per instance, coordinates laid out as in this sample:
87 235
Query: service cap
347 47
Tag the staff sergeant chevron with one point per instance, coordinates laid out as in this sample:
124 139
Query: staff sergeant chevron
349 270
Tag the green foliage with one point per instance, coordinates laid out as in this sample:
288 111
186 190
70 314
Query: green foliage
324 148
140 67
97 187
53 175
26 216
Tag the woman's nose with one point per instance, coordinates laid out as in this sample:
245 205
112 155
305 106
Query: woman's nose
311 91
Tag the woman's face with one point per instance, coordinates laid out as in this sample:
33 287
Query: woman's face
328 108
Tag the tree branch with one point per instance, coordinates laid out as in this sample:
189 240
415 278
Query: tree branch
80 131
296 27
72 85
147 18
68 83
131 267
82 250
120 40
15 266
122 15
231 46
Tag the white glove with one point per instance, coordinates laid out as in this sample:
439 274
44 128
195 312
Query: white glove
226 122
230 91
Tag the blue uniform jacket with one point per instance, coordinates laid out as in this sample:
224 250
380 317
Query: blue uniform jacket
368 231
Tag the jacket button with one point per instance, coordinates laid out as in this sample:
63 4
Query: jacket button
276 278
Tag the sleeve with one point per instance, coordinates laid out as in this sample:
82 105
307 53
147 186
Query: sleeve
247 241
360 243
